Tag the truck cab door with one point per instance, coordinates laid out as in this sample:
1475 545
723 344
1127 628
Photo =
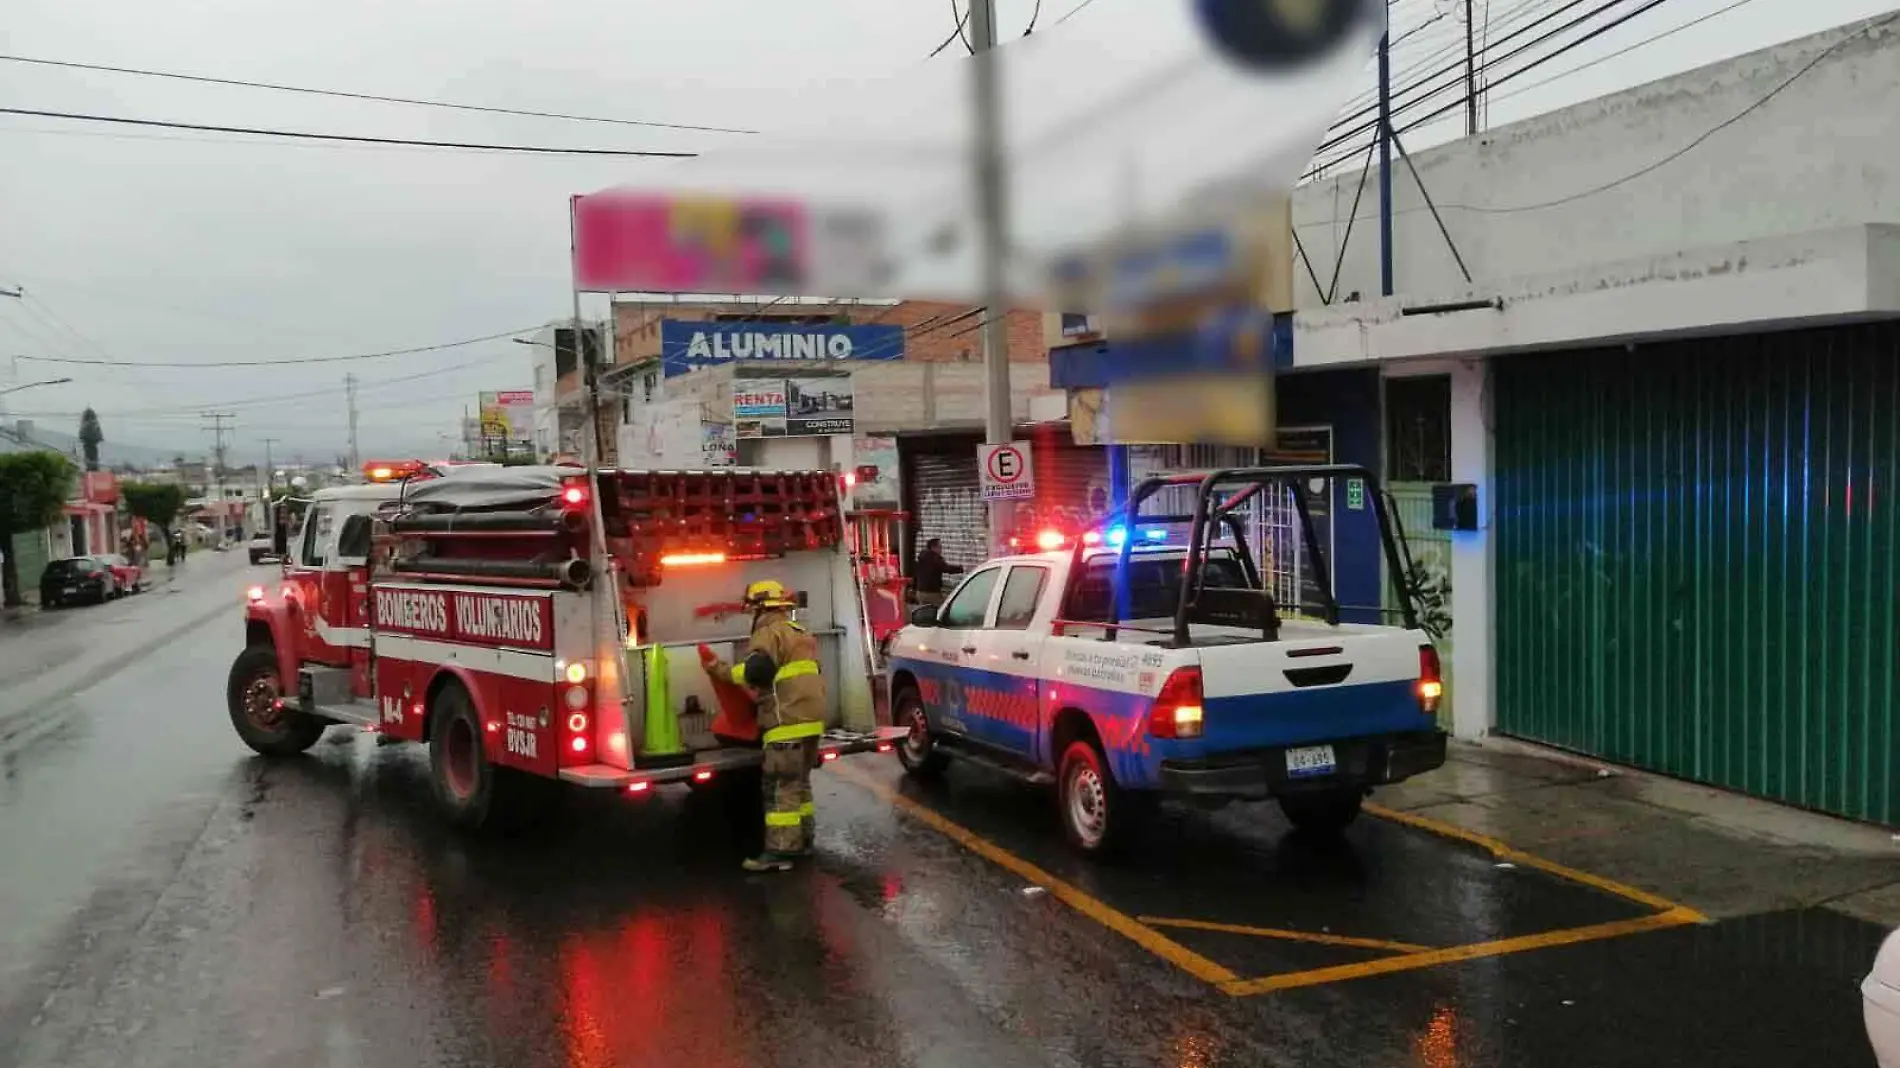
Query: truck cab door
1006 682
951 656
318 590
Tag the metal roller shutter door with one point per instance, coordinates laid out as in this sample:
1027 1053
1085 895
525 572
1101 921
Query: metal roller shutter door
1697 562
948 504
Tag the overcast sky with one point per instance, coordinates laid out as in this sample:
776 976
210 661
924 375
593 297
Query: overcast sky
161 246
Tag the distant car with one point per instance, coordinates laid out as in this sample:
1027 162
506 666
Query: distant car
130 576
263 548
77 580
1880 1003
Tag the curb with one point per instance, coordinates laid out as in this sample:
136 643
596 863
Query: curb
19 729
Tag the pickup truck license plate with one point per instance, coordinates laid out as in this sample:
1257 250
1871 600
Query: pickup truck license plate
1311 760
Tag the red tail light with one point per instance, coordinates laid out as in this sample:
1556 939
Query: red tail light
1177 711
574 494
1431 685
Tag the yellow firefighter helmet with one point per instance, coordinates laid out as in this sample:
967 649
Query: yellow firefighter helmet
769 593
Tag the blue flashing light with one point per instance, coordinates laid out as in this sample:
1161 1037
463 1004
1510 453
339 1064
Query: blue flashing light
1155 534
1117 535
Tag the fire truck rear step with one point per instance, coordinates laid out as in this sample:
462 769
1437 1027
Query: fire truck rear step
835 743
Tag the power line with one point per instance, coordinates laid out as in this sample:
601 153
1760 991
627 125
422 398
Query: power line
284 363
1074 11
543 150
1627 49
374 97
1698 141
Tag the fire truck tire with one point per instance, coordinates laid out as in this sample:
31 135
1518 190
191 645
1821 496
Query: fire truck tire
252 693
465 782
918 751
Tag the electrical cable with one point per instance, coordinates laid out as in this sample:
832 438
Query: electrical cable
289 362
1692 145
1074 11
1627 49
1034 14
543 150
374 97
1487 67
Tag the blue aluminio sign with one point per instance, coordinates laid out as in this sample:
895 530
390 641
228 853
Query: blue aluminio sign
685 346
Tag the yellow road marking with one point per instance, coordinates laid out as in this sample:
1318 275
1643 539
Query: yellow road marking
1674 917
1285 935
1101 912
1528 860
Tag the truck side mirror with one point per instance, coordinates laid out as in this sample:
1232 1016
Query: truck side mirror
924 615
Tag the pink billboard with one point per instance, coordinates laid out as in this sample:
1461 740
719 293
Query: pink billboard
657 243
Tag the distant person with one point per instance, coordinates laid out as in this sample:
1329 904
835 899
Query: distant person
928 572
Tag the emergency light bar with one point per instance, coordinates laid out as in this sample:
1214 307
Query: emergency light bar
393 470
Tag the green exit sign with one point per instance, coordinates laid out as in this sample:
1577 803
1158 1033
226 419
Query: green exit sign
1355 495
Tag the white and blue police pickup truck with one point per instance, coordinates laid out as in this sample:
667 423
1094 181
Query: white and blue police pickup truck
1148 660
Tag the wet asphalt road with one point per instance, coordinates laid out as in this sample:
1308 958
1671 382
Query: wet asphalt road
170 900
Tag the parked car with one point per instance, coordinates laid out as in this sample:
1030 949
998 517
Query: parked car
77 580
263 548
130 576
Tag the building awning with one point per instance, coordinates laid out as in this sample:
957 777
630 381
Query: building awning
1830 276
1236 342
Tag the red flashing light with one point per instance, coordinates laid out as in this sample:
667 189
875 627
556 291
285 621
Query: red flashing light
1177 711
574 494
830 757
393 470
885 747
579 744
1431 685
850 479
691 559
639 787
1050 539
702 776
1091 538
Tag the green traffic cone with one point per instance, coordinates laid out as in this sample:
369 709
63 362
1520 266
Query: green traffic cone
662 746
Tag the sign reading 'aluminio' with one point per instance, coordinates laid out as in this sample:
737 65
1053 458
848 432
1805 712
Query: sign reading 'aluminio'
685 346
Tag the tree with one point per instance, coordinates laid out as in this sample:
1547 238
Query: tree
34 488
90 435
158 503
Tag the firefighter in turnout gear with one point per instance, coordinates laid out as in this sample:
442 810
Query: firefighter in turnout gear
780 668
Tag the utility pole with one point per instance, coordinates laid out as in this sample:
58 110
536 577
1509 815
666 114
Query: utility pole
1385 160
349 387
992 206
218 430
1471 74
270 471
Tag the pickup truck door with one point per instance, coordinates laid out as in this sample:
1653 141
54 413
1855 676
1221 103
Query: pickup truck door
951 653
1002 691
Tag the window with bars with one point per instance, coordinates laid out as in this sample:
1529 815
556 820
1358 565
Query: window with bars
1418 429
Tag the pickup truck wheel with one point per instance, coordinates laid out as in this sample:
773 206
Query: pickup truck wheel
254 693
1096 814
1322 813
918 751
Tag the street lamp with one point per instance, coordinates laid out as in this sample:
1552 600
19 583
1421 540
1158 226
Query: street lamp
31 385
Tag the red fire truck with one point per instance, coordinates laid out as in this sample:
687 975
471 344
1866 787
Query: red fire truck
539 624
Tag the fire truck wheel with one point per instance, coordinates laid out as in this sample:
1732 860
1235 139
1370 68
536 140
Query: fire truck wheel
465 782
253 694
918 751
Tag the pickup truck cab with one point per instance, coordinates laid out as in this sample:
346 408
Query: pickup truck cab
1129 667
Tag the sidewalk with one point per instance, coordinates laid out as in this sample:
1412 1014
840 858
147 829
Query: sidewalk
1720 853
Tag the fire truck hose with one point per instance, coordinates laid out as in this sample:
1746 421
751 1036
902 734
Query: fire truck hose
573 572
458 522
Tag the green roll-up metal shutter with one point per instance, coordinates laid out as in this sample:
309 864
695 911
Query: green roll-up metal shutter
1696 567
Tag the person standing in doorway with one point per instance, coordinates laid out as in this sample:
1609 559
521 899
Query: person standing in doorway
928 571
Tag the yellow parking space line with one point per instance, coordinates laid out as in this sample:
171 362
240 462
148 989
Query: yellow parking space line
1675 917
1522 859
1095 909
1284 934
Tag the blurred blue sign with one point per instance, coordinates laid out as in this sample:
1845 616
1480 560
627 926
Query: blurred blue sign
686 346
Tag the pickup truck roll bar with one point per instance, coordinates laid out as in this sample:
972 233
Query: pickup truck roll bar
1209 511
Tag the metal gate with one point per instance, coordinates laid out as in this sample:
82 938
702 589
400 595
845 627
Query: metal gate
1697 559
